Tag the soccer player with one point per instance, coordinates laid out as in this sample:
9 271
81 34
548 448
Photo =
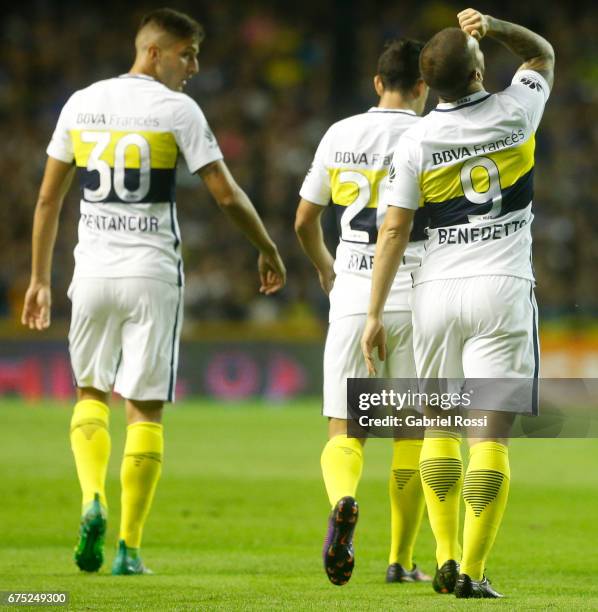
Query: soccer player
124 136
350 168
471 161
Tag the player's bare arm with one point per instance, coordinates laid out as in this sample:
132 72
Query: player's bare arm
57 179
238 207
309 232
536 52
392 242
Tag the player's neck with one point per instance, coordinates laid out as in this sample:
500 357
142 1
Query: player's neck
473 88
393 100
144 69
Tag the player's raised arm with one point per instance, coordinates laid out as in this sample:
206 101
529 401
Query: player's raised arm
309 233
536 52
238 207
38 299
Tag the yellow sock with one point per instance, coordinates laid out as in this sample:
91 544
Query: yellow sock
139 475
442 476
90 442
342 462
406 501
485 490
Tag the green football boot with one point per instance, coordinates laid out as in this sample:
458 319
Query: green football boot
89 552
128 562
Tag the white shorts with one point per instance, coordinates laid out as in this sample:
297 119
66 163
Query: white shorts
124 336
481 327
343 357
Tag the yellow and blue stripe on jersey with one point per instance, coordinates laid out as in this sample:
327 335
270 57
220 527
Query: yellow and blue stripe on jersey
445 198
347 190
98 151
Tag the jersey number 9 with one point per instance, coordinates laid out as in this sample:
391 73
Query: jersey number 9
493 192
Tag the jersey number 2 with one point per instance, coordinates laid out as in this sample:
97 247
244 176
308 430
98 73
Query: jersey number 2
362 199
102 141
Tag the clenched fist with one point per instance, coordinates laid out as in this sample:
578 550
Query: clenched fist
472 22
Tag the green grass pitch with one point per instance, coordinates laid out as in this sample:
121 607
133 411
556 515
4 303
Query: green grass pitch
240 515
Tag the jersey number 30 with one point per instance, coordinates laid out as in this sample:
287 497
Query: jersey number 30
102 141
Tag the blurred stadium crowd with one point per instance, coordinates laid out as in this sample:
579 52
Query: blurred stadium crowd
273 77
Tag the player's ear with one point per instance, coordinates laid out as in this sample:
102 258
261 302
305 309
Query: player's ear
378 85
153 52
420 89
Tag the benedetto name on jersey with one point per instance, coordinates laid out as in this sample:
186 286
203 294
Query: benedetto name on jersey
465 235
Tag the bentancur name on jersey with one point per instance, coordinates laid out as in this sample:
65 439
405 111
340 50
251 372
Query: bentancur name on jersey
459 153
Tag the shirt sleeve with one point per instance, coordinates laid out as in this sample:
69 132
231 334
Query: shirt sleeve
194 136
316 185
61 144
402 188
531 90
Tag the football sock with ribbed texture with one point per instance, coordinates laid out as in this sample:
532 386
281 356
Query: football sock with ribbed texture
406 501
485 491
442 477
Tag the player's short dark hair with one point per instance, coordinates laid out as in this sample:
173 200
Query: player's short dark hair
398 65
447 63
175 23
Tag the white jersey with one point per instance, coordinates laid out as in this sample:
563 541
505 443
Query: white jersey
125 135
471 162
350 168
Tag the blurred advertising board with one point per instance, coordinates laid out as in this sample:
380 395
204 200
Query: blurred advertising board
231 370
224 370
